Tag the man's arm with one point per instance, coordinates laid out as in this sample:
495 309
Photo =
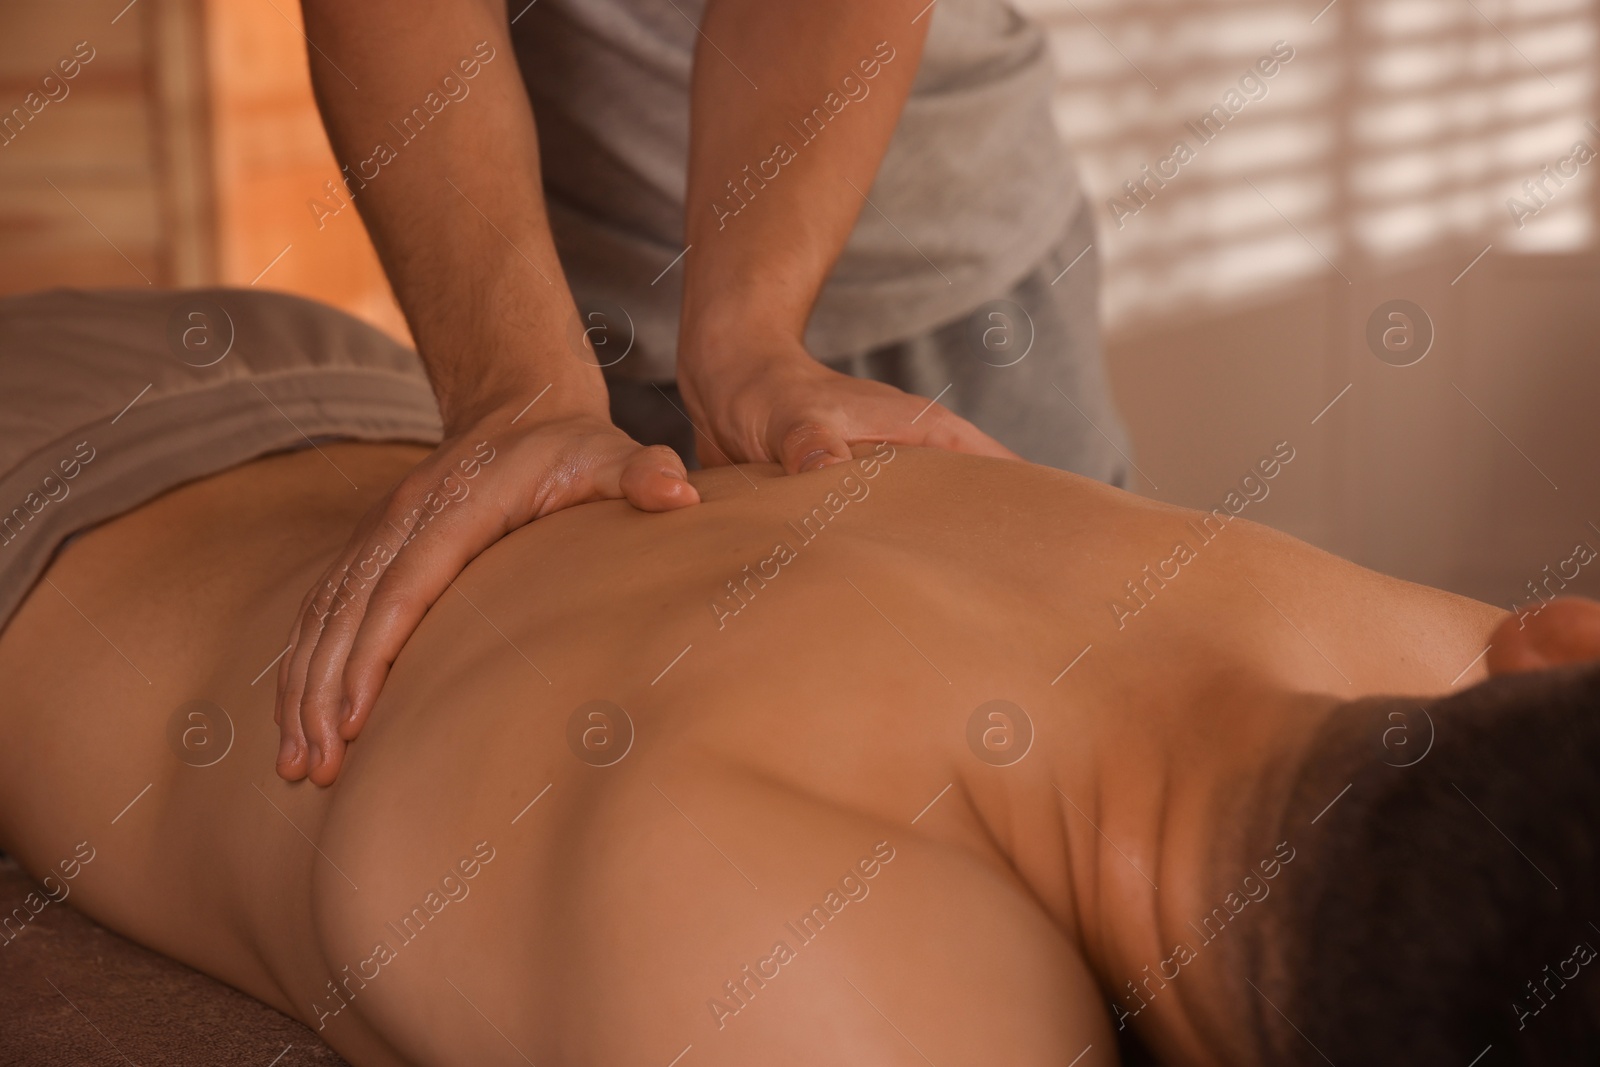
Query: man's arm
793 108
458 217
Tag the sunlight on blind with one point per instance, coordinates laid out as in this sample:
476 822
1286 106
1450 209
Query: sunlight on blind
1233 151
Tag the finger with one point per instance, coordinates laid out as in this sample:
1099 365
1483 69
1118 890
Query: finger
321 697
322 693
291 761
335 600
421 571
286 661
951 432
314 607
328 709
809 446
651 479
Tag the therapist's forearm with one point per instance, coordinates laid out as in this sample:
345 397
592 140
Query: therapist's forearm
457 213
762 246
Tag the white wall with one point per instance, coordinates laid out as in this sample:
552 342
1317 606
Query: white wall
1375 165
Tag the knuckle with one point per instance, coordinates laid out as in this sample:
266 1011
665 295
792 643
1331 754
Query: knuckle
803 433
311 619
320 613
384 612
660 454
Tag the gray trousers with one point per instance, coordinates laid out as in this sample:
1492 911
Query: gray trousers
1026 368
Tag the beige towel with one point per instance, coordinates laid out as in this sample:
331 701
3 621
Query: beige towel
110 398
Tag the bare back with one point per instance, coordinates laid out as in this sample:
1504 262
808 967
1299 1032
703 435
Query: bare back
647 782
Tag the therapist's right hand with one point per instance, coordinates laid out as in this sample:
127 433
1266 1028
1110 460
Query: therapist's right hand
499 468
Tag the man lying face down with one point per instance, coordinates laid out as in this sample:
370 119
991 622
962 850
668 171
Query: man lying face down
823 772
1441 904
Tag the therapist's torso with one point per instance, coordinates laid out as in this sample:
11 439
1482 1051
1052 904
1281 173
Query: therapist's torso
975 189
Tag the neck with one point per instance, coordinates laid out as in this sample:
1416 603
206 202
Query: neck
1181 859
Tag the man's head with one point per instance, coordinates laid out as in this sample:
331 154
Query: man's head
1445 899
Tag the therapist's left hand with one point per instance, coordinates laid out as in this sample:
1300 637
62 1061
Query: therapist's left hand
769 400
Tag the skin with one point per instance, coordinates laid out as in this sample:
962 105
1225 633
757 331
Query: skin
459 221
828 715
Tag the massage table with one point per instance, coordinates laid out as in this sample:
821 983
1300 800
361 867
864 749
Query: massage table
74 994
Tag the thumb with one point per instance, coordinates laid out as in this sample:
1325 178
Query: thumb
651 479
811 446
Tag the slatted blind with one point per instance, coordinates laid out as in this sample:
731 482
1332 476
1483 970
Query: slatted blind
1399 128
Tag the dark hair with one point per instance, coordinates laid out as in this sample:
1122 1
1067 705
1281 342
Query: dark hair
1447 902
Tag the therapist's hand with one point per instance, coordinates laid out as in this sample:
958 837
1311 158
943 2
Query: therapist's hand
768 400
494 473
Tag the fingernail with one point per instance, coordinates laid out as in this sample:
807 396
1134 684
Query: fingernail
820 456
667 472
286 750
347 711
316 754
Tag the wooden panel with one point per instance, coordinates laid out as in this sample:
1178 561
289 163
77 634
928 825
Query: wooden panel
191 145
183 141
271 158
79 188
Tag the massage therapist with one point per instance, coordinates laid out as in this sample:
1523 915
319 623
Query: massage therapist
626 233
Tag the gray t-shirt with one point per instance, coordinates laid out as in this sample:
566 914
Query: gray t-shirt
974 190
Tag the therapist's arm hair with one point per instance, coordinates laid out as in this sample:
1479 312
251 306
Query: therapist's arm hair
457 214
766 225
793 103
1447 904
